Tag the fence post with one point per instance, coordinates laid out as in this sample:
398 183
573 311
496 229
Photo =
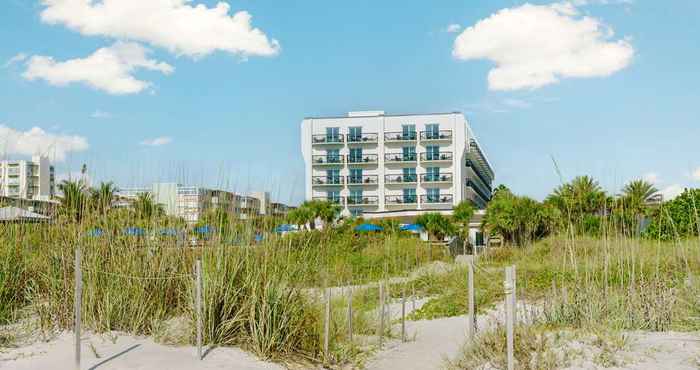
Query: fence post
381 314
198 303
403 314
508 288
78 297
327 323
471 319
413 296
350 315
515 297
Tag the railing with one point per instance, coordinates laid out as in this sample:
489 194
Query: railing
362 180
363 200
436 135
12 171
400 179
432 177
336 200
432 156
401 199
365 158
400 157
327 180
436 199
477 172
13 182
327 139
328 159
478 190
401 136
363 138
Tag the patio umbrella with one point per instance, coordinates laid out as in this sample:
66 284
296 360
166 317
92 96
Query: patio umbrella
368 227
284 228
411 227
202 229
168 232
134 231
96 232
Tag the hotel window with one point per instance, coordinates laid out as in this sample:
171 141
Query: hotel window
332 134
355 134
408 132
355 196
433 195
355 155
355 175
432 131
433 174
409 195
333 196
333 176
432 152
409 153
409 174
333 155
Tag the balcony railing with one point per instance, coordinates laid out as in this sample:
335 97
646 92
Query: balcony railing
436 199
365 158
363 138
433 157
13 171
364 200
327 180
436 135
432 177
336 200
327 139
400 157
401 199
477 189
328 159
362 180
401 179
401 136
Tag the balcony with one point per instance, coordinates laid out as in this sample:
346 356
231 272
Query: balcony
327 159
363 159
445 178
436 199
327 181
400 157
335 200
13 171
365 200
369 138
363 180
401 179
400 137
436 157
327 139
401 200
442 135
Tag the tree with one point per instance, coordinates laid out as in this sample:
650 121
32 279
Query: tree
103 196
636 195
73 199
146 208
577 199
519 220
300 216
678 218
437 225
462 215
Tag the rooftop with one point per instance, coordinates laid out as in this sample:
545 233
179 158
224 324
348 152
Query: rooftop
381 113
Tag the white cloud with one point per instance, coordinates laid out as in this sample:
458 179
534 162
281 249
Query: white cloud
517 103
695 175
15 59
651 177
37 141
453 28
98 114
163 140
672 191
108 69
192 30
537 45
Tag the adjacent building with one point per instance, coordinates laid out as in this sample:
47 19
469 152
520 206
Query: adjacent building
27 179
381 165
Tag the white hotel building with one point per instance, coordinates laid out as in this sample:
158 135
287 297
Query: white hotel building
23 179
380 165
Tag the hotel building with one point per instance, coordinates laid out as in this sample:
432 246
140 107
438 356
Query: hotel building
31 180
380 165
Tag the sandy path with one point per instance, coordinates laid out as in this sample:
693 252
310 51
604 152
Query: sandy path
127 353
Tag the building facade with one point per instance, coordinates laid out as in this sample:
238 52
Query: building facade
23 179
380 165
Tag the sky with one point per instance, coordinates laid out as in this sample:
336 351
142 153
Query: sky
213 93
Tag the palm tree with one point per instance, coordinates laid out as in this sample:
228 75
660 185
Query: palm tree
437 225
326 211
74 198
462 215
300 216
637 194
581 198
146 208
103 196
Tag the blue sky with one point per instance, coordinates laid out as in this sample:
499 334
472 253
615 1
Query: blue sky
613 93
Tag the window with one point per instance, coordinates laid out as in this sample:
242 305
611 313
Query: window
333 155
409 195
409 153
408 132
409 174
432 131
355 196
355 155
355 134
333 176
432 152
333 196
356 212
433 195
332 134
355 176
433 174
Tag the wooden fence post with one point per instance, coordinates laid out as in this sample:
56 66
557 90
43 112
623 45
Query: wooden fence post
198 305
471 319
508 289
515 297
350 315
327 324
381 314
403 314
78 299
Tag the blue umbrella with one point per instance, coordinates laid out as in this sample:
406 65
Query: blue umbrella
168 232
368 227
202 229
411 227
96 232
258 238
134 231
284 228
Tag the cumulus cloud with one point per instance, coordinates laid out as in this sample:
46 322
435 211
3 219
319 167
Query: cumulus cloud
15 59
671 191
98 114
192 30
453 28
537 45
163 140
109 69
37 141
